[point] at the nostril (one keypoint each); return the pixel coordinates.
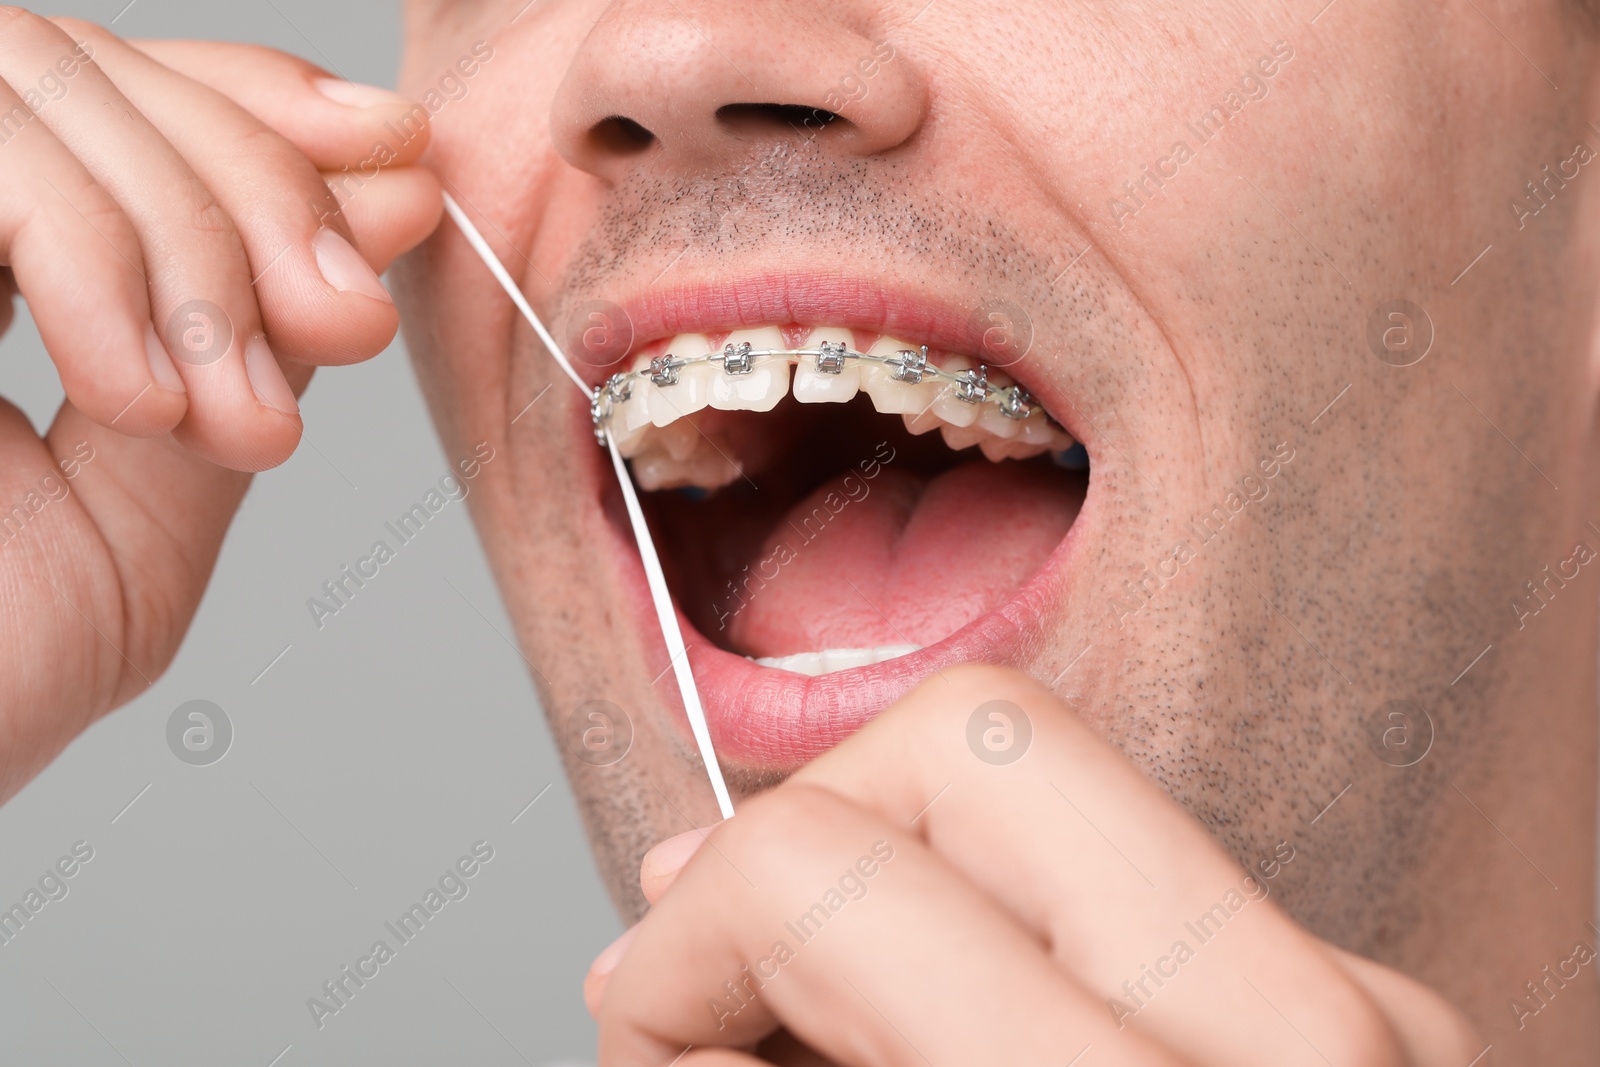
(620, 135)
(754, 117)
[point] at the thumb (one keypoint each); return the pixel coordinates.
(107, 543)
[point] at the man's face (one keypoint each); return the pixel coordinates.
(1234, 252)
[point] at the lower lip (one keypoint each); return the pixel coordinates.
(766, 719)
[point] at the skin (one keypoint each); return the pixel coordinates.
(1216, 322)
(1199, 329)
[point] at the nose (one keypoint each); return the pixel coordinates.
(692, 83)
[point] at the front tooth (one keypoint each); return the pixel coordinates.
(692, 391)
(948, 406)
(800, 663)
(844, 659)
(836, 659)
(889, 396)
(633, 413)
(759, 389)
(921, 423)
(811, 386)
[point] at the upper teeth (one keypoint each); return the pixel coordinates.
(969, 403)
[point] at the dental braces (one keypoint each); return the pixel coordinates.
(909, 365)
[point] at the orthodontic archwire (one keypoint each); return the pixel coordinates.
(666, 615)
(830, 357)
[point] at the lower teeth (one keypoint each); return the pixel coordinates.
(836, 659)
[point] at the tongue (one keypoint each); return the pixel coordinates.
(900, 559)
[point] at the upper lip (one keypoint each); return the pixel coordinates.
(817, 299)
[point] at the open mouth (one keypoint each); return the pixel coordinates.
(839, 514)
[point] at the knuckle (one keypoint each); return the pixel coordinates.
(106, 215)
(204, 214)
(269, 150)
(270, 153)
(94, 205)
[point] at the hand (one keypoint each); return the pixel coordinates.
(902, 901)
(167, 219)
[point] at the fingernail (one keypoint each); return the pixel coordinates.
(355, 94)
(344, 269)
(162, 369)
(670, 855)
(611, 955)
(266, 378)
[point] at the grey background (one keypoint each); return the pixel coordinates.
(365, 760)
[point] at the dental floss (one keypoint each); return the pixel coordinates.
(666, 615)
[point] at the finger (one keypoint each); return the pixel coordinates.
(807, 911)
(389, 213)
(1433, 1032)
(107, 542)
(781, 1050)
(44, 544)
(241, 412)
(594, 982)
(76, 259)
(1131, 893)
(720, 1057)
(319, 300)
(663, 862)
(162, 512)
(657, 871)
(336, 123)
